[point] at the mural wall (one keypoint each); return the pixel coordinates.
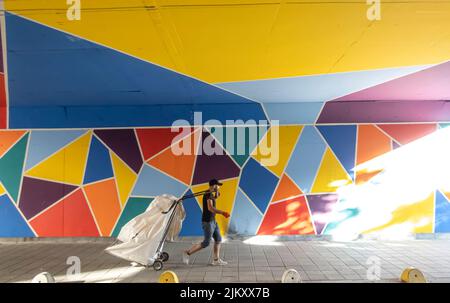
(360, 112)
(334, 179)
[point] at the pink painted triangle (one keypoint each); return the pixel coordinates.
(429, 84)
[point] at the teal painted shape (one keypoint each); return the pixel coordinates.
(12, 224)
(344, 214)
(444, 125)
(45, 143)
(306, 157)
(342, 141)
(134, 207)
(152, 183)
(239, 142)
(442, 214)
(11, 165)
(245, 217)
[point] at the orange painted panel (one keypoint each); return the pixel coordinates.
(286, 189)
(178, 166)
(371, 144)
(105, 204)
(9, 138)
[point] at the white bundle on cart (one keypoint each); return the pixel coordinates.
(143, 237)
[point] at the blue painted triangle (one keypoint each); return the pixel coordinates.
(306, 158)
(442, 214)
(12, 223)
(152, 183)
(98, 164)
(258, 183)
(245, 217)
(192, 224)
(45, 143)
(290, 90)
(342, 141)
(88, 75)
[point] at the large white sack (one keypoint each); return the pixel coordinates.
(141, 236)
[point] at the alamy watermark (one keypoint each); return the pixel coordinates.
(237, 137)
(374, 10)
(74, 270)
(73, 10)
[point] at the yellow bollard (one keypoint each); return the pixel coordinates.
(168, 277)
(413, 275)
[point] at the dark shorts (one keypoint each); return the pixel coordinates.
(210, 230)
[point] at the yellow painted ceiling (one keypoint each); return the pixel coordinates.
(234, 40)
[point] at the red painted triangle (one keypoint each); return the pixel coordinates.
(71, 217)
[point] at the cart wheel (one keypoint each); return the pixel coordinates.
(157, 265)
(164, 256)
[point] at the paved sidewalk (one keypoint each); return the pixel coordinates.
(316, 261)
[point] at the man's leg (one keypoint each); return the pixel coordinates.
(216, 251)
(196, 247)
(217, 241)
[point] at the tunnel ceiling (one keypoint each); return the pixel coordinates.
(250, 53)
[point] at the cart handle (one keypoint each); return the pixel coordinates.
(184, 198)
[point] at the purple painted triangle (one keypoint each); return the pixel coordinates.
(384, 111)
(395, 145)
(215, 166)
(321, 206)
(429, 84)
(124, 143)
(36, 195)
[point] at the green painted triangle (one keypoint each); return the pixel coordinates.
(11, 165)
(239, 142)
(133, 208)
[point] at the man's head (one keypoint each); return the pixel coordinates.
(214, 185)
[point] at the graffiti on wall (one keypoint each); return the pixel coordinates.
(334, 179)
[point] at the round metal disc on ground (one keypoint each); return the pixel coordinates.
(413, 275)
(43, 277)
(291, 276)
(168, 277)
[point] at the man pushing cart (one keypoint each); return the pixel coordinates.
(142, 239)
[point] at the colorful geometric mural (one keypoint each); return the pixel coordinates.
(343, 133)
(95, 181)
(130, 63)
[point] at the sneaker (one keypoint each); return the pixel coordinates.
(185, 258)
(219, 262)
